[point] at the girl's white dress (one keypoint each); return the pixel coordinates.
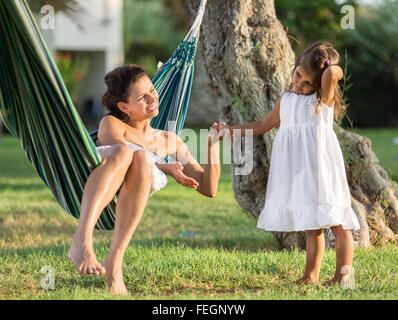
(307, 186)
(159, 179)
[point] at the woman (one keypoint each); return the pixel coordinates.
(131, 151)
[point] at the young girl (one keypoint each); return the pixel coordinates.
(307, 188)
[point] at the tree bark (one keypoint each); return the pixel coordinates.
(249, 61)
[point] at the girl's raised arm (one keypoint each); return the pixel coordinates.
(330, 77)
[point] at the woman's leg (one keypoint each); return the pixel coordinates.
(99, 190)
(344, 254)
(131, 203)
(315, 247)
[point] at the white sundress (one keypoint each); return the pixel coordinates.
(159, 179)
(307, 186)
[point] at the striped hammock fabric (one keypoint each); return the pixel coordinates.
(36, 108)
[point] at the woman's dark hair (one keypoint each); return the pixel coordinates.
(118, 84)
(317, 58)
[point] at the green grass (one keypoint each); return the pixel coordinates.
(228, 258)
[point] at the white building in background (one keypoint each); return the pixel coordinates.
(96, 32)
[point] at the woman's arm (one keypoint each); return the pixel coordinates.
(330, 77)
(208, 177)
(262, 126)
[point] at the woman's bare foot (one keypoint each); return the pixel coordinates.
(83, 258)
(114, 280)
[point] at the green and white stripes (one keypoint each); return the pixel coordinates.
(36, 107)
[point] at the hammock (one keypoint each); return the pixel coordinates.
(36, 108)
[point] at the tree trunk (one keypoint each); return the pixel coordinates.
(249, 60)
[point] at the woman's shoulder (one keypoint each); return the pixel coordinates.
(112, 120)
(110, 126)
(111, 123)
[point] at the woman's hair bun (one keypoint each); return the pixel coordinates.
(118, 84)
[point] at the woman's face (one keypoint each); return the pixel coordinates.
(303, 81)
(143, 102)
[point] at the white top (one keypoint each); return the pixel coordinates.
(307, 186)
(159, 179)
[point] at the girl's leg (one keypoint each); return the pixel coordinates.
(99, 190)
(131, 203)
(344, 254)
(315, 247)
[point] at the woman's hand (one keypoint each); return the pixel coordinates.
(176, 171)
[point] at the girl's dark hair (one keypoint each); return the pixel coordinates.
(118, 84)
(315, 59)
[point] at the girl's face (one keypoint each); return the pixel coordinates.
(303, 81)
(143, 102)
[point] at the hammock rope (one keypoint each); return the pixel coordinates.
(36, 108)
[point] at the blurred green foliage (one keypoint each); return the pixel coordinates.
(153, 29)
(373, 48)
(74, 68)
(307, 22)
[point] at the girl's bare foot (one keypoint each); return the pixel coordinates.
(83, 258)
(330, 283)
(307, 280)
(114, 280)
(343, 280)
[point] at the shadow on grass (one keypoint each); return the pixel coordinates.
(233, 243)
(211, 241)
(68, 279)
(21, 187)
(102, 246)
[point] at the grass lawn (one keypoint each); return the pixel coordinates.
(186, 246)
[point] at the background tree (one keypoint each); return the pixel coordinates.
(307, 22)
(373, 47)
(249, 60)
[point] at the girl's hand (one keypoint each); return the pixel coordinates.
(213, 136)
(225, 132)
(335, 71)
(175, 170)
